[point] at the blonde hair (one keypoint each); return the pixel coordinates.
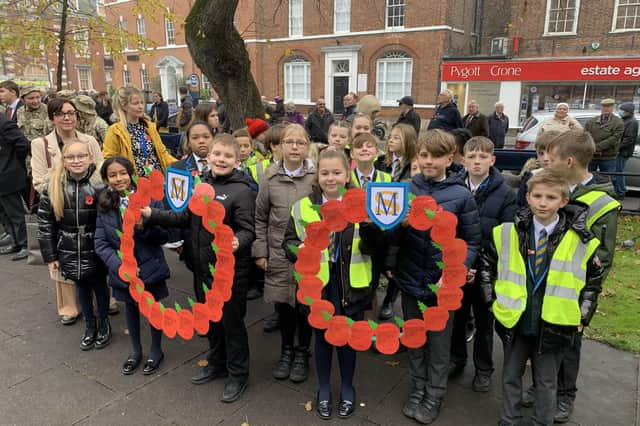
(576, 143)
(243, 133)
(121, 99)
(343, 125)
(58, 181)
(409, 144)
(293, 128)
(550, 179)
(331, 153)
(437, 143)
(225, 139)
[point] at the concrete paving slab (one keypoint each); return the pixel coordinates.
(126, 412)
(19, 362)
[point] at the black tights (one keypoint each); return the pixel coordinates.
(85, 289)
(292, 317)
(133, 324)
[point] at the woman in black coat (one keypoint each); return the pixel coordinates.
(159, 112)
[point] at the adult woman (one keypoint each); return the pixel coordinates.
(134, 137)
(159, 112)
(561, 121)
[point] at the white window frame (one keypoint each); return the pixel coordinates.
(296, 7)
(122, 26)
(393, 57)
(290, 67)
(141, 28)
(126, 77)
(81, 39)
(145, 83)
(574, 28)
(616, 9)
(170, 28)
(345, 10)
(89, 78)
(388, 6)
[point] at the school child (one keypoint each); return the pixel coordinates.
(541, 146)
(228, 341)
(364, 150)
(399, 151)
(271, 139)
(496, 203)
(412, 261)
(289, 181)
(361, 123)
(116, 172)
(67, 222)
(570, 155)
(541, 276)
(340, 135)
(248, 154)
(346, 275)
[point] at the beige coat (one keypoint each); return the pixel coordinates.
(553, 123)
(278, 192)
(39, 167)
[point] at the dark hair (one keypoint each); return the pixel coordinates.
(183, 90)
(203, 110)
(11, 86)
(159, 95)
(273, 136)
(461, 136)
(56, 104)
(109, 199)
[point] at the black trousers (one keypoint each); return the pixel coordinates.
(13, 211)
(294, 318)
(569, 367)
(483, 341)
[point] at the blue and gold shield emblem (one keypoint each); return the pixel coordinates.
(178, 188)
(387, 203)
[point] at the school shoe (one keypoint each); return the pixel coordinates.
(563, 411)
(207, 374)
(411, 406)
(346, 408)
(131, 364)
(300, 366)
(68, 319)
(428, 411)
(114, 309)
(233, 390)
(283, 367)
(152, 365)
(481, 383)
(103, 338)
(9, 250)
(5, 239)
(89, 335)
(323, 408)
(21, 255)
(529, 397)
(386, 312)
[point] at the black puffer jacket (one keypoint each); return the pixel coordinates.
(239, 200)
(412, 256)
(446, 118)
(70, 239)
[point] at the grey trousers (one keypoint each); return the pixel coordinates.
(11, 205)
(545, 378)
(429, 365)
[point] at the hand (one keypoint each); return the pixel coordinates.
(389, 274)
(145, 212)
(53, 266)
(580, 328)
(235, 244)
(439, 283)
(471, 275)
(261, 263)
(301, 246)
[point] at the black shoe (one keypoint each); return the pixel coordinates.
(9, 250)
(346, 409)
(5, 239)
(254, 293)
(89, 336)
(529, 397)
(411, 406)
(283, 367)
(233, 390)
(481, 382)
(131, 364)
(563, 411)
(428, 411)
(386, 312)
(300, 366)
(271, 323)
(323, 408)
(114, 309)
(103, 337)
(21, 255)
(152, 365)
(455, 370)
(207, 374)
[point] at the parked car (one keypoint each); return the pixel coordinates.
(525, 140)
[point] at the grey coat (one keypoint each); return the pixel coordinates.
(278, 192)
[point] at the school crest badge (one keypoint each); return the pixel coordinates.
(178, 188)
(387, 203)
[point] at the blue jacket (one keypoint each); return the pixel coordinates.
(147, 251)
(446, 118)
(412, 256)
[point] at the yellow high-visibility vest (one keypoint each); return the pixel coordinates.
(600, 203)
(258, 169)
(379, 176)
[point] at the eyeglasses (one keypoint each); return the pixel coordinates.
(65, 114)
(290, 142)
(77, 157)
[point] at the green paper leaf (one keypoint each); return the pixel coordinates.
(350, 322)
(197, 180)
(119, 233)
(212, 223)
(162, 308)
(134, 178)
(436, 245)
(139, 288)
(206, 199)
(430, 213)
(373, 324)
(309, 300)
(342, 190)
(127, 192)
(399, 321)
(411, 196)
(178, 307)
(126, 275)
(205, 288)
(147, 170)
(191, 302)
(303, 222)
(316, 207)
(294, 249)
(119, 254)
(214, 247)
(434, 288)
(149, 301)
(212, 270)
(440, 264)
(422, 306)
(296, 275)
(326, 315)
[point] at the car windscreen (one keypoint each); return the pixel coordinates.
(529, 123)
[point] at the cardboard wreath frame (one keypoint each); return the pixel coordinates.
(179, 320)
(424, 214)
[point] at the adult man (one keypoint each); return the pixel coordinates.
(318, 122)
(10, 97)
(32, 117)
(408, 115)
(88, 121)
(13, 177)
(446, 116)
(349, 103)
(475, 121)
(606, 130)
(159, 112)
(186, 109)
(629, 137)
(498, 125)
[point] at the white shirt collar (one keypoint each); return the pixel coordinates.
(361, 176)
(397, 157)
(292, 173)
(583, 183)
(537, 227)
(14, 105)
(198, 163)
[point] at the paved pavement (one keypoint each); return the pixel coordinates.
(46, 379)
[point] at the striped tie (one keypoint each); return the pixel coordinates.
(541, 249)
(333, 247)
(396, 170)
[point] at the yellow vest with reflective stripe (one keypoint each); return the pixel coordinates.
(258, 169)
(360, 273)
(565, 280)
(378, 177)
(600, 203)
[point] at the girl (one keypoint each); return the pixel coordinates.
(361, 124)
(67, 222)
(340, 135)
(134, 136)
(400, 150)
(208, 112)
(116, 172)
(347, 282)
(289, 181)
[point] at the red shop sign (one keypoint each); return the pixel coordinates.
(554, 70)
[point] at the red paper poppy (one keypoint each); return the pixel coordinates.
(320, 309)
(354, 203)
(223, 235)
(418, 217)
(143, 187)
(309, 286)
(215, 212)
(157, 185)
(435, 318)
(361, 334)
(414, 333)
(88, 200)
(455, 251)
(387, 338)
(185, 324)
(146, 300)
(332, 217)
(221, 290)
(225, 260)
(133, 291)
(201, 315)
(338, 331)
(317, 235)
(449, 298)
(454, 275)
(215, 304)
(444, 227)
(127, 270)
(170, 322)
(155, 316)
(308, 262)
(197, 204)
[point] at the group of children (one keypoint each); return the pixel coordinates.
(537, 271)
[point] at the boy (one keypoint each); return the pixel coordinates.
(228, 340)
(248, 155)
(496, 203)
(541, 146)
(570, 155)
(541, 277)
(413, 260)
(364, 150)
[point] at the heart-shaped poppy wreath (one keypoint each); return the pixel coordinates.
(179, 320)
(424, 214)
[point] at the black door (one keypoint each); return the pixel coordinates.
(340, 88)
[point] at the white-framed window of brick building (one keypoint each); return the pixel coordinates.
(341, 16)
(170, 31)
(395, 13)
(626, 15)
(393, 78)
(561, 17)
(122, 26)
(81, 40)
(144, 80)
(141, 27)
(297, 79)
(295, 18)
(84, 78)
(206, 84)
(126, 77)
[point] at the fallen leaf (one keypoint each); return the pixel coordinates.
(637, 261)
(244, 424)
(308, 406)
(203, 363)
(393, 363)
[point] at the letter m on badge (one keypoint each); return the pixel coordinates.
(178, 188)
(387, 203)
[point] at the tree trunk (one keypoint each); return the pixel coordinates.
(218, 50)
(62, 42)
